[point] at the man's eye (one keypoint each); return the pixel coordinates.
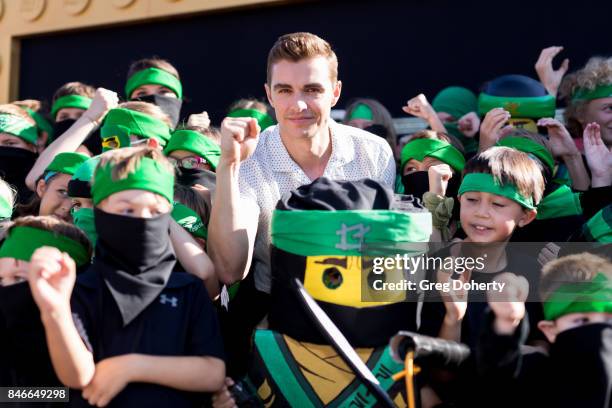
(283, 91)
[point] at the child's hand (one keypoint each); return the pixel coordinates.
(509, 304)
(491, 126)
(469, 124)
(550, 252)
(419, 106)
(51, 276)
(439, 175)
(598, 156)
(199, 119)
(561, 142)
(223, 397)
(550, 78)
(103, 101)
(238, 139)
(111, 376)
(455, 300)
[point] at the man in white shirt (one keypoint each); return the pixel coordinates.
(255, 170)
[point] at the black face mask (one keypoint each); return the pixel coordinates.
(17, 304)
(191, 177)
(59, 128)
(93, 141)
(135, 258)
(170, 105)
(582, 362)
(416, 184)
(15, 164)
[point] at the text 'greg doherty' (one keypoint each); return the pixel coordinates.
(425, 285)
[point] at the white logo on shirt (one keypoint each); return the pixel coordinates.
(163, 299)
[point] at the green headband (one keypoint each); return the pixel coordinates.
(580, 297)
(70, 101)
(196, 143)
(599, 227)
(67, 163)
(361, 111)
(18, 126)
(420, 148)
(149, 175)
(264, 120)
(189, 219)
(122, 123)
(42, 123)
(6, 209)
(601, 91)
(520, 107)
(86, 170)
(153, 76)
(526, 145)
(22, 241)
(317, 232)
(487, 183)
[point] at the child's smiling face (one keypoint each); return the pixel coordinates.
(489, 217)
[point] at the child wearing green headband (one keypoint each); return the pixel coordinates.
(79, 191)
(577, 295)
(363, 113)
(70, 101)
(17, 128)
(24, 353)
(191, 149)
(133, 284)
(252, 108)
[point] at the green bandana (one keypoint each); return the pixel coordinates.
(562, 202)
(456, 101)
(196, 143)
(6, 209)
(120, 123)
(86, 170)
(317, 232)
(580, 297)
(189, 219)
(154, 76)
(487, 183)
(42, 123)
(264, 120)
(601, 91)
(361, 111)
(83, 218)
(420, 148)
(149, 175)
(520, 107)
(70, 101)
(17, 126)
(599, 227)
(22, 241)
(67, 162)
(526, 145)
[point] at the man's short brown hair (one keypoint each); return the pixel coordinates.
(299, 46)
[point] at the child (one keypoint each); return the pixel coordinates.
(79, 191)
(577, 297)
(26, 359)
(195, 156)
(141, 334)
(252, 108)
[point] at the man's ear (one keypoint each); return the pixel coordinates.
(528, 216)
(269, 94)
(336, 92)
(41, 187)
(549, 329)
(153, 143)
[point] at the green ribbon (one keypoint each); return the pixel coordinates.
(42, 123)
(121, 123)
(361, 111)
(149, 175)
(580, 297)
(520, 107)
(70, 101)
(345, 233)
(584, 94)
(529, 146)
(83, 218)
(562, 202)
(487, 183)
(67, 162)
(189, 219)
(196, 143)
(264, 120)
(22, 241)
(154, 76)
(6, 209)
(18, 126)
(438, 149)
(599, 227)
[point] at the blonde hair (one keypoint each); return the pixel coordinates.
(509, 166)
(153, 62)
(74, 88)
(149, 109)
(596, 72)
(211, 132)
(581, 267)
(126, 160)
(300, 46)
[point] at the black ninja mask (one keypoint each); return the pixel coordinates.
(170, 105)
(15, 164)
